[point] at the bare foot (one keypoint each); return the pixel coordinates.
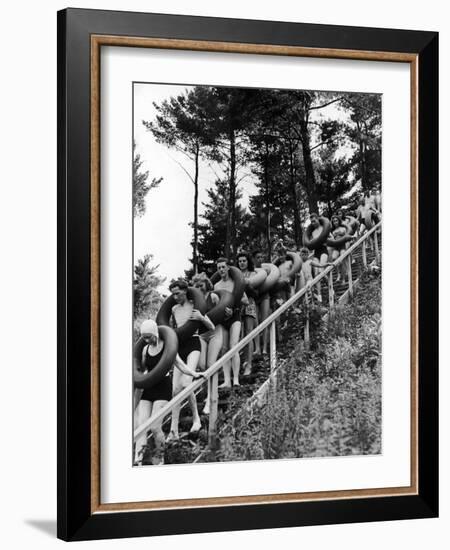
(173, 436)
(225, 385)
(236, 383)
(195, 426)
(205, 409)
(247, 369)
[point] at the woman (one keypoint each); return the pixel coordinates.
(335, 249)
(147, 353)
(248, 311)
(232, 325)
(211, 339)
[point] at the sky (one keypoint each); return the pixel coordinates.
(164, 229)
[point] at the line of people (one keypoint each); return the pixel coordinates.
(325, 241)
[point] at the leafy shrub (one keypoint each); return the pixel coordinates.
(326, 401)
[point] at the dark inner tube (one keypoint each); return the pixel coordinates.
(312, 244)
(217, 312)
(147, 380)
(190, 327)
(341, 241)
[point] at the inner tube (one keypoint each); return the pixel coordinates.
(190, 327)
(257, 279)
(143, 380)
(217, 312)
(352, 223)
(311, 243)
(296, 263)
(333, 243)
(239, 284)
(273, 274)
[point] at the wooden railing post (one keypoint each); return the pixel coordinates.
(213, 409)
(273, 346)
(364, 254)
(377, 252)
(308, 301)
(265, 325)
(349, 274)
(331, 294)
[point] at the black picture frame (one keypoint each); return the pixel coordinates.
(76, 518)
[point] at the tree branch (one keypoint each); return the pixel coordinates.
(183, 168)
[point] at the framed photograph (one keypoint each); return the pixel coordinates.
(247, 256)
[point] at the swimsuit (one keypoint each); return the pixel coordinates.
(187, 346)
(236, 316)
(162, 390)
(322, 249)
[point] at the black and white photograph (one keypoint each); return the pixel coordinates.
(257, 273)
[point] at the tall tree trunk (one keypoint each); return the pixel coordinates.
(310, 179)
(232, 207)
(362, 157)
(195, 243)
(266, 184)
(295, 209)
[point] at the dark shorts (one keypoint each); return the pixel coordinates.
(162, 391)
(319, 251)
(262, 297)
(235, 317)
(188, 346)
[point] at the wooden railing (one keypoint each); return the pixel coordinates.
(211, 375)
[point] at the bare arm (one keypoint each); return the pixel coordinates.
(181, 365)
(197, 316)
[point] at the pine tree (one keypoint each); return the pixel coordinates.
(147, 298)
(140, 184)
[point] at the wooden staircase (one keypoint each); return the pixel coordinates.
(291, 325)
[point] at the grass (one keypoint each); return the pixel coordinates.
(326, 401)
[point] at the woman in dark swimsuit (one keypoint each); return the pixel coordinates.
(147, 353)
(248, 311)
(211, 339)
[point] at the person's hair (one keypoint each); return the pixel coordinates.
(221, 260)
(202, 277)
(180, 283)
(250, 265)
(336, 217)
(314, 215)
(256, 251)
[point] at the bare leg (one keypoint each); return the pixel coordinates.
(214, 347)
(265, 310)
(177, 385)
(141, 414)
(249, 325)
(257, 350)
(158, 434)
(192, 362)
(235, 332)
(334, 255)
(181, 381)
(227, 365)
(343, 265)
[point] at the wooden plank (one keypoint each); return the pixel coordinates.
(350, 275)
(213, 410)
(273, 347)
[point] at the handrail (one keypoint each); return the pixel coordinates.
(213, 369)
